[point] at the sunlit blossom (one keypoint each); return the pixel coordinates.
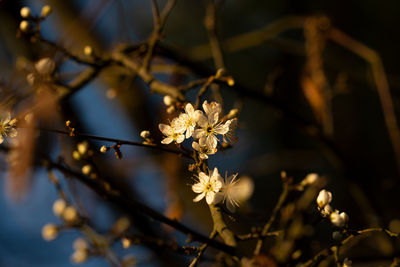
(203, 149)
(7, 126)
(208, 186)
(172, 133)
(187, 121)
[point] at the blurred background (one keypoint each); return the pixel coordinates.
(307, 105)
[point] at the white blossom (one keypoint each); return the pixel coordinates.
(324, 198)
(172, 133)
(212, 107)
(203, 149)
(210, 127)
(208, 186)
(187, 121)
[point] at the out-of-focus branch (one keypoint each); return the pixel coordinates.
(353, 234)
(381, 82)
(202, 249)
(275, 211)
(210, 23)
(129, 206)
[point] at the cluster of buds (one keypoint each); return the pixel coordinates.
(81, 251)
(64, 211)
(339, 219)
(83, 152)
(28, 21)
(170, 103)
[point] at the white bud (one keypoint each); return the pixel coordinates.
(59, 206)
(121, 225)
(233, 113)
(76, 155)
(80, 244)
(82, 147)
(168, 100)
(86, 169)
(324, 198)
(326, 210)
(79, 256)
(25, 12)
(49, 232)
(145, 134)
(103, 149)
(310, 179)
(88, 50)
(344, 217)
(126, 243)
(170, 109)
(46, 10)
(24, 26)
(45, 66)
(336, 219)
(70, 214)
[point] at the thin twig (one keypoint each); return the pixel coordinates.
(202, 249)
(329, 251)
(271, 220)
(121, 142)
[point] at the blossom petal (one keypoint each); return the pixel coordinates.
(165, 129)
(212, 141)
(204, 178)
(210, 197)
(198, 133)
(196, 146)
(198, 188)
(199, 197)
(167, 141)
(189, 109)
(202, 121)
(180, 138)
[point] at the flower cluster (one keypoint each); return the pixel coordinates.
(339, 219)
(215, 189)
(203, 127)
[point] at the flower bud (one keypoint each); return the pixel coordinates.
(46, 10)
(88, 51)
(24, 26)
(49, 232)
(168, 100)
(79, 256)
(145, 134)
(310, 179)
(103, 149)
(324, 198)
(76, 155)
(70, 214)
(25, 12)
(344, 217)
(336, 219)
(83, 147)
(59, 207)
(126, 243)
(45, 66)
(326, 210)
(86, 169)
(233, 113)
(121, 225)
